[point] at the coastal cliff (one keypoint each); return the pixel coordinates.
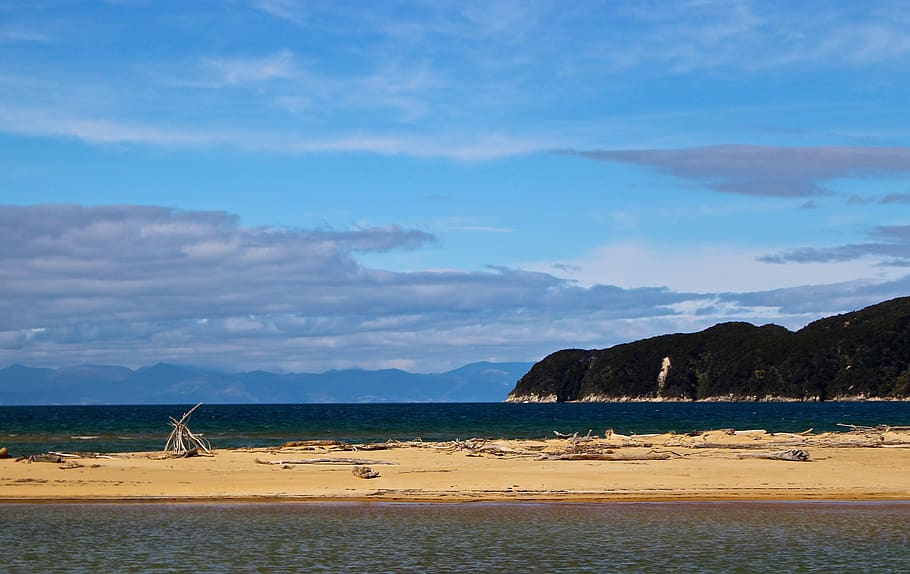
(859, 355)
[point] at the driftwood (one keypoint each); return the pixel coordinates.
(182, 442)
(355, 461)
(861, 428)
(604, 456)
(574, 438)
(364, 472)
(374, 446)
(57, 457)
(876, 432)
(479, 446)
(335, 445)
(316, 443)
(48, 457)
(81, 454)
(794, 455)
(743, 446)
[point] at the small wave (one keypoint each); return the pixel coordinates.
(85, 437)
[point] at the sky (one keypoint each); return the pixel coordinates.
(311, 185)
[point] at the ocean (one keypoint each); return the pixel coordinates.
(31, 429)
(444, 537)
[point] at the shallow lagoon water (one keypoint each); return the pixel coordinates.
(486, 537)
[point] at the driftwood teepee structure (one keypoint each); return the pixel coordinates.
(182, 442)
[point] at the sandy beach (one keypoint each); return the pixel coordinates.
(864, 464)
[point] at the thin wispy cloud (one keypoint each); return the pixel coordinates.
(481, 229)
(290, 10)
(891, 242)
(14, 34)
(764, 170)
(892, 198)
(245, 71)
(50, 123)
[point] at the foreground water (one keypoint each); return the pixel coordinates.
(29, 429)
(619, 537)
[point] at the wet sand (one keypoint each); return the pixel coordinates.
(869, 464)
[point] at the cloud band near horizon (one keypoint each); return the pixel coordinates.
(139, 284)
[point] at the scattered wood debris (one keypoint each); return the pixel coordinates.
(336, 445)
(589, 447)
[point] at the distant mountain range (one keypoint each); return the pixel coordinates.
(174, 384)
(860, 355)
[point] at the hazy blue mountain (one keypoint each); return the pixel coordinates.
(178, 384)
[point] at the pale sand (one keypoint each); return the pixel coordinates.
(839, 469)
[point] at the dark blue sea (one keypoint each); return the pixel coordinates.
(30, 429)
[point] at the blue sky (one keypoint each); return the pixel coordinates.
(303, 186)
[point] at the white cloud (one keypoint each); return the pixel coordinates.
(136, 285)
(242, 71)
(289, 10)
(708, 268)
(463, 147)
(15, 34)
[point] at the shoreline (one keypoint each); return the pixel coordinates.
(533, 398)
(714, 466)
(265, 501)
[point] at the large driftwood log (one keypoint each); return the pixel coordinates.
(374, 446)
(57, 457)
(316, 443)
(355, 461)
(81, 454)
(54, 458)
(604, 456)
(793, 454)
(743, 446)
